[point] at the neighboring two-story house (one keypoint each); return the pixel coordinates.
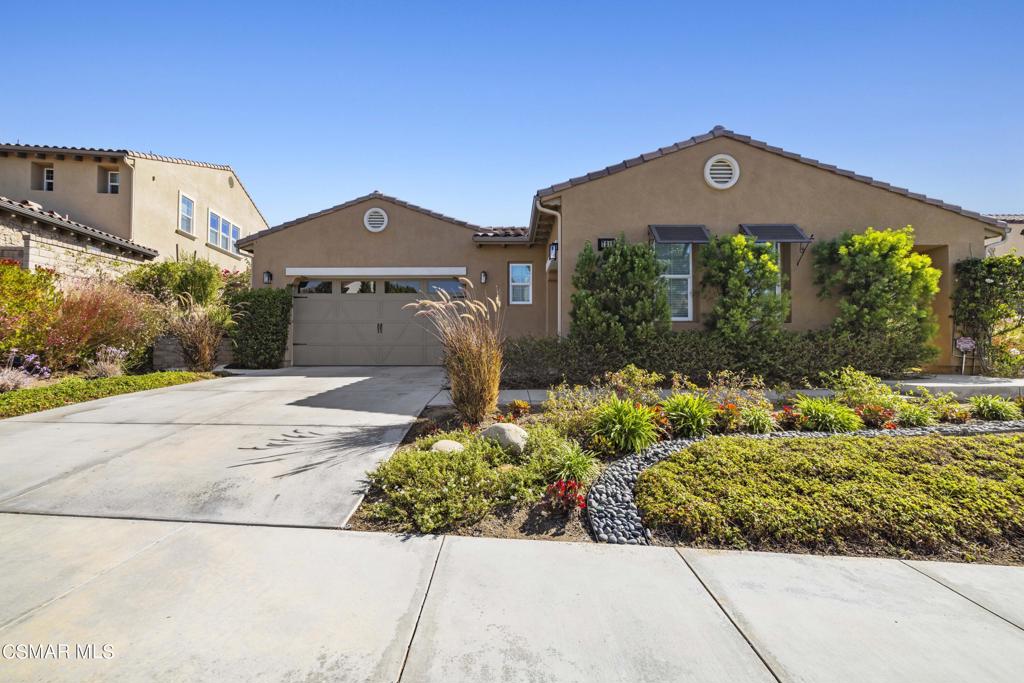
(135, 205)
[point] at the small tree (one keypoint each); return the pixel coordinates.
(171, 282)
(620, 296)
(746, 276)
(884, 288)
(988, 302)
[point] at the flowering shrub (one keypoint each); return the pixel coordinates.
(97, 313)
(634, 384)
(565, 495)
(790, 419)
(518, 409)
(234, 281)
(727, 418)
(21, 372)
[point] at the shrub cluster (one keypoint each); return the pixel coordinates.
(961, 496)
(260, 334)
(422, 490)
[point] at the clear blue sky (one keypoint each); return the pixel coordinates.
(469, 108)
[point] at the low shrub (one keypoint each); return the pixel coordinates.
(634, 384)
(854, 388)
(569, 408)
(951, 496)
(469, 329)
(690, 415)
(96, 313)
(914, 415)
(989, 407)
(21, 372)
(629, 427)
(260, 334)
(566, 495)
(200, 328)
(75, 390)
(826, 415)
(108, 362)
(758, 420)
(876, 417)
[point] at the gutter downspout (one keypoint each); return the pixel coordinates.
(558, 261)
(990, 249)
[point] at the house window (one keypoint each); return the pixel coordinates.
(48, 179)
(186, 211)
(678, 259)
(223, 233)
(113, 182)
(520, 283)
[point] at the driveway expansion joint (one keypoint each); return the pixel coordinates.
(965, 597)
(419, 614)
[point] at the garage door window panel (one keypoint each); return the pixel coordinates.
(357, 287)
(402, 287)
(453, 287)
(315, 287)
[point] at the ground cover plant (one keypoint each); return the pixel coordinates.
(952, 497)
(76, 390)
(424, 490)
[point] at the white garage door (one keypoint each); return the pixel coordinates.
(363, 322)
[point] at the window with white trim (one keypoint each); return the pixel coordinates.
(186, 212)
(520, 283)
(678, 275)
(113, 182)
(223, 233)
(48, 179)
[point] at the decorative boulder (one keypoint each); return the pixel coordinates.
(509, 436)
(447, 446)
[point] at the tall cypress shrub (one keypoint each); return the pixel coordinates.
(619, 296)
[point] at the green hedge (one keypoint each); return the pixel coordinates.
(937, 495)
(789, 357)
(261, 334)
(77, 390)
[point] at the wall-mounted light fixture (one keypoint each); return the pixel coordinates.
(268, 277)
(483, 277)
(553, 251)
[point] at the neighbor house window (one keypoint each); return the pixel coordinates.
(520, 283)
(223, 233)
(678, 260)
(48, 179)
(113, 182)
(186, 211)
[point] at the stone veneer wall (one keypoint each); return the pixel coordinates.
(167, 353)
(41, 247)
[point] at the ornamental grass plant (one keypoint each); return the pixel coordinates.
(469, 329)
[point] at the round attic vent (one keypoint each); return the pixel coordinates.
(375, 219)
(721, 171)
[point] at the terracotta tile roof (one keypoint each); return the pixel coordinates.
(504, 234)
(245, 241)
(720, 132)
(32, 210)
(100, 151)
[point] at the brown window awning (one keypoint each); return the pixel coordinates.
(679, 234)
(775, 232)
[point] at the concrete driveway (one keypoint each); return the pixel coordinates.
(283, 447)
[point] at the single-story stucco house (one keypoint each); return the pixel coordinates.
(355, 265)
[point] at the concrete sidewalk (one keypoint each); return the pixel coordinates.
(178, 601)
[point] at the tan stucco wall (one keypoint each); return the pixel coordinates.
(771, 189)
(75, 190)
(1015, 243)
(155, 212)
(411, 239)
(60, 251)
